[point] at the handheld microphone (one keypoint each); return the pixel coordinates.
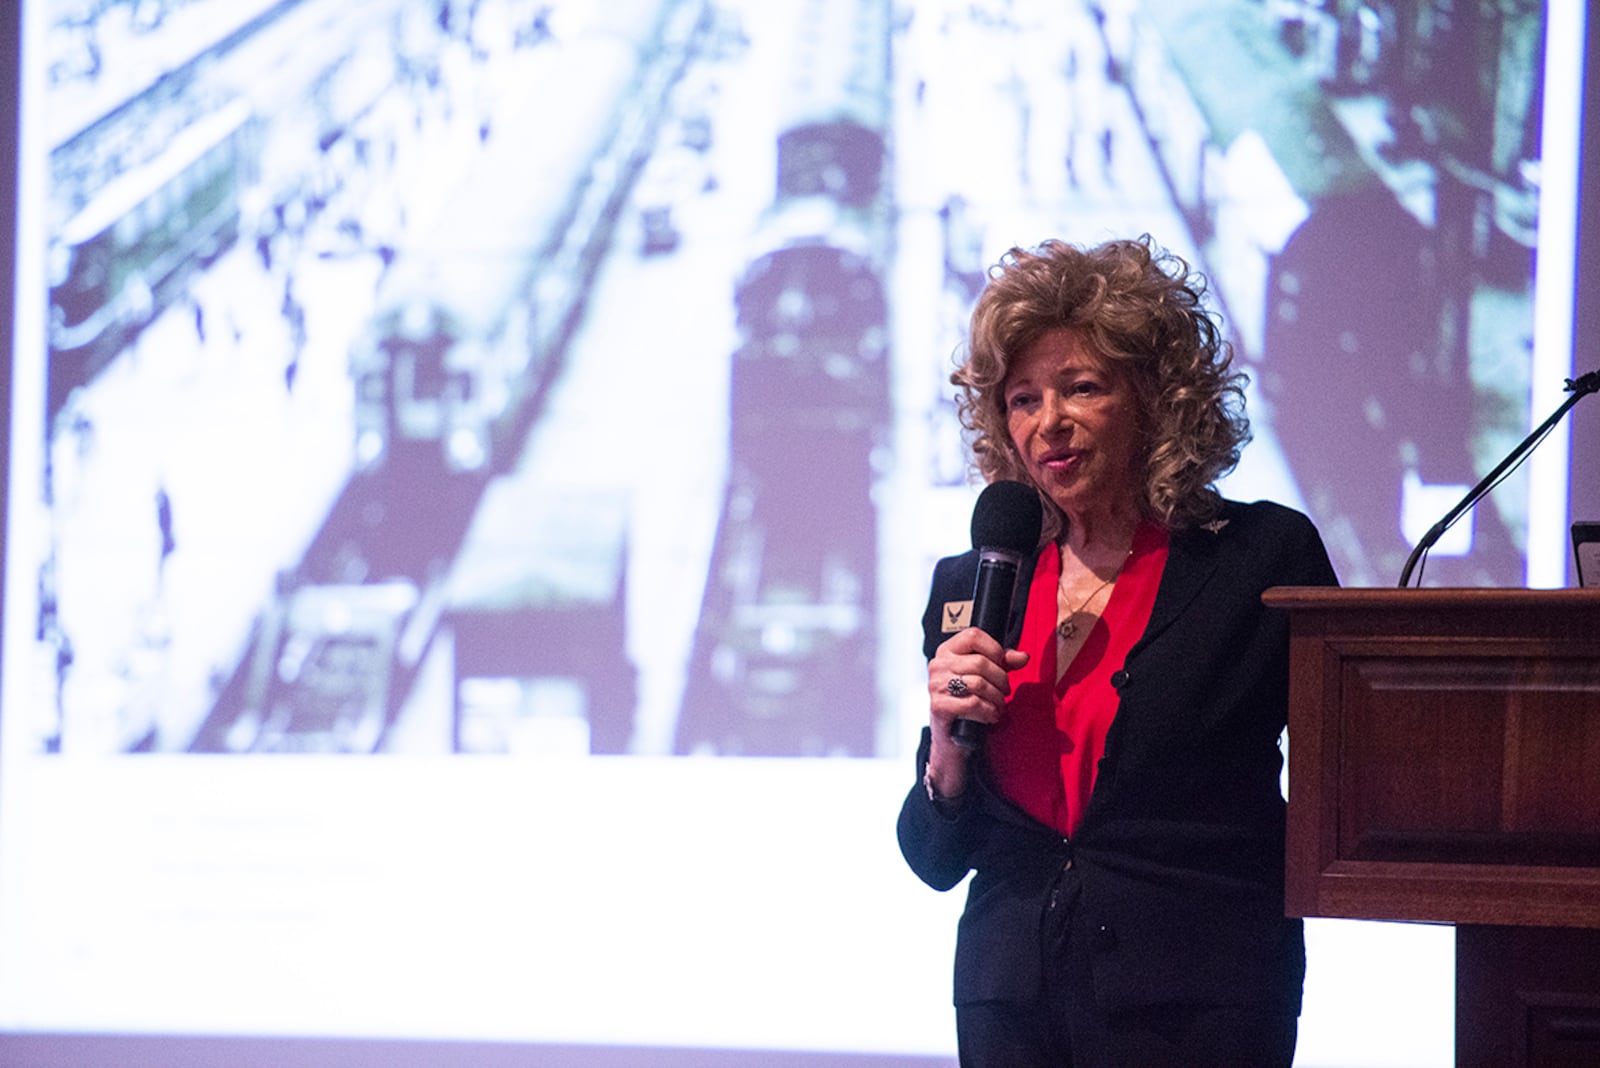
(1005, 528)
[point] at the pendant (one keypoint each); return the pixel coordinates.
(1066, 628)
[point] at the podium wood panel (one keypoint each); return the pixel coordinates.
(1444, 755)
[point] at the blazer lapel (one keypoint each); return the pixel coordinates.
(1191, 560)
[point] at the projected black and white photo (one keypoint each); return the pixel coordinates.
(469, 376)
(499, 387)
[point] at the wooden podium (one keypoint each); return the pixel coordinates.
(1444, 767)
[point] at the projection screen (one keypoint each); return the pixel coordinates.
(474, 467)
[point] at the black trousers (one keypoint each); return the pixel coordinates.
(1066, 1029)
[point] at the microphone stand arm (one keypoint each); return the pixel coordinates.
(1579, 388)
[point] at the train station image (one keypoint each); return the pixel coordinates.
(483, 409)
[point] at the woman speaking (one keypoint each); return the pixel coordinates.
(1122, 814)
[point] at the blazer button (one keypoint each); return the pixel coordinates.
(1119, 678)
(1103, 937)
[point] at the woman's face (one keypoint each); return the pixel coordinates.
(1074, 423)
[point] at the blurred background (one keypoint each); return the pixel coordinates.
(549, 401)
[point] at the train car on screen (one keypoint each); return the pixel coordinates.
(322, 676)
(792, 590)
(126, 254)
(473, 316)
(536, 606)
(813, 326)
(812, 305)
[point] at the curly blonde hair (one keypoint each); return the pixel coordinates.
(1141, 309)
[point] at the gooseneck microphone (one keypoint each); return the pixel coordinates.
(1005, 528)
(1579, 387)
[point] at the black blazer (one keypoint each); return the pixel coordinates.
(1180, 851)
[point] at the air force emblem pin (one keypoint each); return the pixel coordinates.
(957, 616)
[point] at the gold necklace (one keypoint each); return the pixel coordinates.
(1068, 625)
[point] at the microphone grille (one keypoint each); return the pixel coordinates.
(1008, 516)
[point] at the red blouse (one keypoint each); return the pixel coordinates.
(1047, 746)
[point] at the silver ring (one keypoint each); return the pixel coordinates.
(957, 686)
